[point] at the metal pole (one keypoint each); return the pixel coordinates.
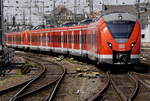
(24, 18)
(54, 17)
(75, 10)
(138, 9)
(30, 13)
(116, 1)
(1, 25)
(43, 13)
(90, 7)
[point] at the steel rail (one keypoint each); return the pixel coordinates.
(119, 92)
(14, 87)
(4, 91)
(39, 89)
(59, 79)
(140, 74)
(51, 96)
(29, 83)
(100, 94)
(135, 92)
(141, 81)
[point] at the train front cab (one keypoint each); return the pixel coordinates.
(120, 39)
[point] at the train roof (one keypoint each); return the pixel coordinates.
(118, 16)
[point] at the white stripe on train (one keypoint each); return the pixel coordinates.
(44, 48)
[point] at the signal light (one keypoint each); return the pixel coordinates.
(110, 45)
(132, 45)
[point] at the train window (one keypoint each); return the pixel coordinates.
(120, 29)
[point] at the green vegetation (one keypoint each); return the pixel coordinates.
(71, 60)
(26, 68)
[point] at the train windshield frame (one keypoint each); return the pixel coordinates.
(121, 29)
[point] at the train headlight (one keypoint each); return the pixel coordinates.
(132, 45)
(110, 45)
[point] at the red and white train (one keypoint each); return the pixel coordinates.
(112, 38)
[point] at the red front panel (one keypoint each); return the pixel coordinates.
(122, 47)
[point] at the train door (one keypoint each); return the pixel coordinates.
(8, 39)
(57, 39)
(65, 41)
(49, 40)
(90, 42)
(43, 39)
(30, 38)
(14, 39)
(35, 39)
(25, 38)
(18, 38)
(98, 37)
(80, 42)
(54, 39)
(84, 41)
(70, 39)
(22, 38)
(76, 39)
(62, 44)
(17, 42)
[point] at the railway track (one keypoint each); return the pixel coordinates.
(108, 92)
(43, 88)
(144, 87)
(122, 87)
(128, 85)
(40, 88)
(9, 92)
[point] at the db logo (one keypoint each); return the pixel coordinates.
(121, 46)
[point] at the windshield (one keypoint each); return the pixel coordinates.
(120, 29)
